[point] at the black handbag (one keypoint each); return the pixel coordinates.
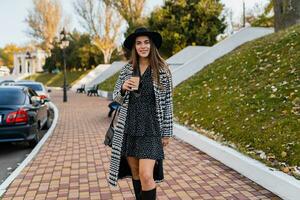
(111, 130)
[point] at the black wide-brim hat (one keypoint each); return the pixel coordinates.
(154, 36)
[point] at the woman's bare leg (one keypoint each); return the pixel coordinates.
(146, 167)
(134, 166)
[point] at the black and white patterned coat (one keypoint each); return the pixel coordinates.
(164, 111)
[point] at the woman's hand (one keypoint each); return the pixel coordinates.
(127, 85)
(165, 141)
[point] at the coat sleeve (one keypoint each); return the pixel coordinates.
(117, 95)
(168, 112)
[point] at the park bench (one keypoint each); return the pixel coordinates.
(93, 90)
(81, 89)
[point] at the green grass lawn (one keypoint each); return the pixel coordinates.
(109, 84)
(56, 80)
(249, 98)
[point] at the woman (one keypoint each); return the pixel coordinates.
(145, 121)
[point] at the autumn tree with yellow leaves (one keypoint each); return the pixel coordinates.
(132, 11)
(44, 22)
(102, 22)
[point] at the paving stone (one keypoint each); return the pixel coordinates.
(74, 164)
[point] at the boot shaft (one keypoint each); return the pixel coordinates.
(149, 195)
(137, 189)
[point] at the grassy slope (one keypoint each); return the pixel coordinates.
(56, 80)
(249, 97)
(109, 84)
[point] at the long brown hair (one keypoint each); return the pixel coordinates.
(156, 62)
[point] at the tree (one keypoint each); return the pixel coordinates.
(187, 22)
(287, 13)
(270, 7)
(44, 21)
(1, 57)
(131, 11)
(81, 53)
(261, 15)
(102, 22)
(55, 60)
(7, 54)
(1, 61)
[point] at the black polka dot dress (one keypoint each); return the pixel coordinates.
(142, 138)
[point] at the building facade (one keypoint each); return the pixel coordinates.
(30, 62)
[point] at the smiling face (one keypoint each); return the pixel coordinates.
(142, 46)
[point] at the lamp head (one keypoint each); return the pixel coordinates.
(62, 34)
(64, 42)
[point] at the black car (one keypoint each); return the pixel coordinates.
(6, 82)
(22, 115)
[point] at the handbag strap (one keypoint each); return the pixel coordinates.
(117, 110)
(112, 121)
(135, 72)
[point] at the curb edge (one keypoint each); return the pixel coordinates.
(32, 154)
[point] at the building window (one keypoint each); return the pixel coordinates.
(20, 65)
(28, 67)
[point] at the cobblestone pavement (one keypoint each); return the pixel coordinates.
(73, 164)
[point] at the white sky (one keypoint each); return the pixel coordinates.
(13, 13)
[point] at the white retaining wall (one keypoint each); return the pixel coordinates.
(185, 55)
(197, 63)
(98, 75)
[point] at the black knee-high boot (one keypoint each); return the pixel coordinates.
(149, 195)
(137, 189)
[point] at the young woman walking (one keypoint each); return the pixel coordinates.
(145, 120)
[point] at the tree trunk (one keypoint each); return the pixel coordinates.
(287, 13)
(107, 56)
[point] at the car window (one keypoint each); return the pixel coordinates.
(31, 93)
(36, 87)
(12, 97)
(7, 83)
(27, 100)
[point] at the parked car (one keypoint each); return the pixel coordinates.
(6, 82)
(25, 81)
(22, 115)
(38, 87)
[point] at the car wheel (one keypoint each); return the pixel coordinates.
(37, 138)
(48, 123)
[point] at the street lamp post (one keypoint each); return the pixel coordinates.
(64, 43)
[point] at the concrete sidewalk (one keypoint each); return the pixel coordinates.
(74, 163)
